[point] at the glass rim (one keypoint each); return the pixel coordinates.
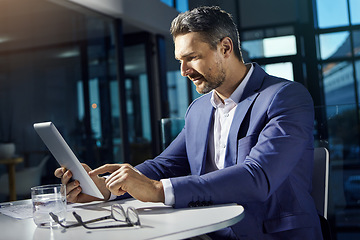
(47, 186)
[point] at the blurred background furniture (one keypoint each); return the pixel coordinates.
(19, 182)
(170, 128)
(9, 179)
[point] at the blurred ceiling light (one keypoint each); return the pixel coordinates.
(4, 39)
(68, 54)
(130, 67)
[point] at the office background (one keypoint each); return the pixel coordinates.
(105, 74)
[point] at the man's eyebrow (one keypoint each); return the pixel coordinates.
(185, 55)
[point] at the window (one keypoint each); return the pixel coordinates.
(178, 94)
(337, 31)
(274, 48)
(338, 81)
(332, 13)
(181, 5)
(168, 2)
(283, 70)
(335, 44)
(354, 11)
(273, 42)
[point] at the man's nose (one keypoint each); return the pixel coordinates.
(185, 69)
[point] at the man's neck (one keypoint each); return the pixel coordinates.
(224, 92)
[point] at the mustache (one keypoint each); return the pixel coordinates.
(194, 76)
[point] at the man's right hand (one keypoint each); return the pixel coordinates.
(73, 190)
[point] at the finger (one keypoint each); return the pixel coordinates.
(104, 169)
(66, 177)
(115, 174)
(86, 167)
(118, 177)
(72, 185)
(117, 186)
(59, 172)
(118, 192)
(73, 195)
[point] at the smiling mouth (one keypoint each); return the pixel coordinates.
(196, 79)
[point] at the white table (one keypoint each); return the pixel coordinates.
(157, 222)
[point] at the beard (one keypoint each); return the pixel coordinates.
(210, 82)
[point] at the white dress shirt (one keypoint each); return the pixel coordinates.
(218, 135)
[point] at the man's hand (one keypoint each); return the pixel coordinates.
(125, 178)
(73, 189)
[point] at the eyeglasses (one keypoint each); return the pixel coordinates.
(130, 218)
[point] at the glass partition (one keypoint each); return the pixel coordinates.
(57, 64)
(137, 103)
(339, 133)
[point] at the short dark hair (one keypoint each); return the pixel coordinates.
(213, 23)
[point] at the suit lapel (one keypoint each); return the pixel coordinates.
(199, 142)
(247, 99)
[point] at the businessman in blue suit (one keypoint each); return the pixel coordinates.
(247, 140)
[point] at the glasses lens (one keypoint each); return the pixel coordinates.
(118, 212)
(133, 216)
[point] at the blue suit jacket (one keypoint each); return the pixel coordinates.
(269, 160)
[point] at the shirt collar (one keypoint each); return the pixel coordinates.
(236, 95)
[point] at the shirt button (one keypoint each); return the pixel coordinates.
(223, 145)
(226, 115)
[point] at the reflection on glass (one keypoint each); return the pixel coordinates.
(271, 47)
(332, 13)
(354, 11)
(335, 45)
(284, 70)
(338, 82)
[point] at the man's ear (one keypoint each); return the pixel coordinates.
(226, 46)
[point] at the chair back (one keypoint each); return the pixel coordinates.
(170, 128)
(320, 180)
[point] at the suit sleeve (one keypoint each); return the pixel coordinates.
(171, 162)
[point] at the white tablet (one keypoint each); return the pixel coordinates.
(65, 157)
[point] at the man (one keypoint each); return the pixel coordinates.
(248, 140)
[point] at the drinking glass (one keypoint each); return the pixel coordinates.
(46, 199)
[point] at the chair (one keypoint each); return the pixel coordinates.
(25, 179)
(320, 187)
(170, 128)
